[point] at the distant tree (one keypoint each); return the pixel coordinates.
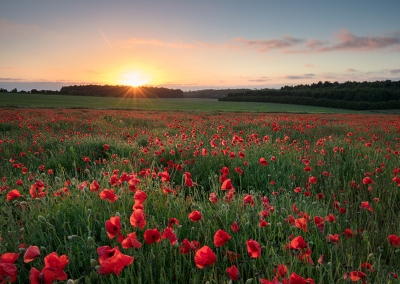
(34, 91)
(14, 90)
(2, 90)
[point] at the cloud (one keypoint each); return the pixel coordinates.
(8, 27)
(395, 71)
(11, 79)
(308, 65)
(345, 40)
(259, 80)
(268, 44)
(351, 70)
(298, 77)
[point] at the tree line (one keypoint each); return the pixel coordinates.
(121, 91)
(347, 95)
(108, 91)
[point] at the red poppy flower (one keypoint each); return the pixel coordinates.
(365, 205)
(348, 233)
(108, 194)
(140, 197)
(112, 260)
(7, 266)
(297, 279)
(233, 272)
(281, 271)
(319, 222)
(253, 248)
(366, 265)
(312, 180)
(248, 200)
(94, 186)
(165, 177)
(173, 221)
(131, 241)
(333, 238)
(355, 275)
(301, 223)
(263, 162)
(170, 235)
(13, 194)
(188, 246)
(56, 264)
(227, 185)
(262, 223)
(204, 257)
(152, 236)
(220, 238)
(113, 228)
(394, 240)
(195, 216)
(367, 180)
(298, 243)
(330, 218)
(235, 227)
(45, 276)
(137, 219)
(213, 198)
(31, 253)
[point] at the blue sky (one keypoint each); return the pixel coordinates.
(197, 44)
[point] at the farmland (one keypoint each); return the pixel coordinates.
(143, 196)
(193, 104)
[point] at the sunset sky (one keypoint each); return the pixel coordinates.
(197, 44)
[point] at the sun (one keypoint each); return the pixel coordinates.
(135, 79)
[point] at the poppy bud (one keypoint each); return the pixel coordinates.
(42, 219)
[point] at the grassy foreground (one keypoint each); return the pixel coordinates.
(116, 196)
(213, 105)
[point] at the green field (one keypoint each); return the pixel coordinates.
(61, 101)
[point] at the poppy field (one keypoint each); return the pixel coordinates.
(119, 196)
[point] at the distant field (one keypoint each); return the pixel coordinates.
(60, 101)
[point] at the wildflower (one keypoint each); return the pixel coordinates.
(263, 162)
(137, 219)
(170, 235)
(233, 273)
(108, 194)
(152, 236)
(235, 227)
(220, 238)
(13, 194)
(253, 248)
(31, 253)
(297, 279)
(394, 240)
(195, 216)
(7, 266)
(131, 241)
(113, 228)
(204, 257)
(112, 260)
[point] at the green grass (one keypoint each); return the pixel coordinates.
(209, 105)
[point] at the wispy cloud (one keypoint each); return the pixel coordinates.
(262, 79)
(395, 71)
(268, 44)
(346, 40)
(299, 77)
(11, 79)
(9, 27)
(351, 70)
(343, 40)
